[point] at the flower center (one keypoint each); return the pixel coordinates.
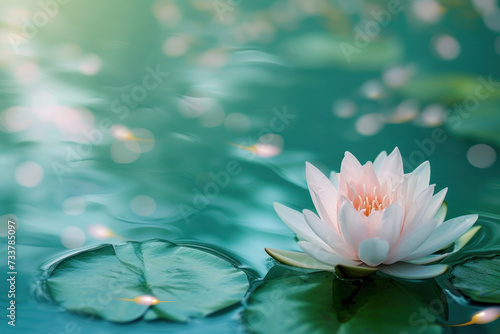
(370, 201)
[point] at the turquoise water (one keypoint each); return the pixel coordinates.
(207, 85)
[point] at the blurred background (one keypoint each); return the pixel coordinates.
(185, 120)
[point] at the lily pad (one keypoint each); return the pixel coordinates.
(319, 302)
(190, 282)
(479, 279)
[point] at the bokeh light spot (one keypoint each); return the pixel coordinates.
(433, 115)
(484, 6)
(269, 146)
(370, 124)
(99, 231)
(29, 174)
(481, 156)
(428, 11)
(175, 46)
(396, 76)
(167, 13)
(446, 47)
(142, 141)
(72, 237)
(344, 108)
(492, 20)
(90, 65)
(372, 89)
(16, 119)
(143, 205)
(27, 72)
(405, 111)
(121, 154)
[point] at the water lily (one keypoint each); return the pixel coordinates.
(374, 217)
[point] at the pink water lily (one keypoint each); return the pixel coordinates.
(374, 217)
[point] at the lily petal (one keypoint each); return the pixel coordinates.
(459, 244)
(435, 204)
(352, 226)
(392, 167)
(329, 235)
(389, 226)
(354, 271)
(298, 259)
(414, 271)
(441, 214)
(464, 239)
(443, 235)
(414, 217)
(420, 178)
(349, 165)
(333, 177)
(325, 256)
(411, 242)
(377, 163)
(323, 194)
(303, 260)
(297, 223)
(429, 259)
(366, 179)
(373, 251)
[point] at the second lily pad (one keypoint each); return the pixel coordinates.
(479, 279)
(296, 302)
(189, 282)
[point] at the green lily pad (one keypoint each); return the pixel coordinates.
(479, 279)
(190, 282)
(319, 302)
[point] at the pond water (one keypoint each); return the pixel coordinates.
(185, 121)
